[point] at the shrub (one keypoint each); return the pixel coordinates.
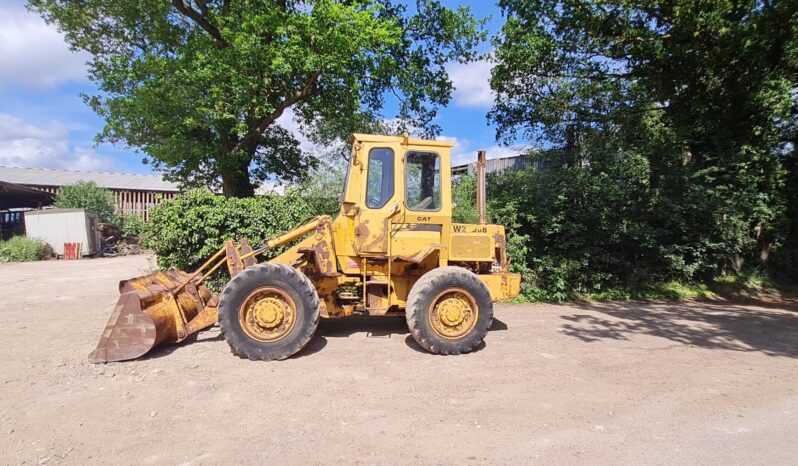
(464, 197)
(130, 224)
(87, 195)
(187, 230)
(595, 228)
(22, 249)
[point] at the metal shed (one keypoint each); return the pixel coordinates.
(59, 226)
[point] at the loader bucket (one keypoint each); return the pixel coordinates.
(166, 306)
(151, 310)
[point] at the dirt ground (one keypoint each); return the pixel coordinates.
(588, 383)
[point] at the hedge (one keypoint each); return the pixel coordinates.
(188, 229)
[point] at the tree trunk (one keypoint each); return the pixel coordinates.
(235, 181)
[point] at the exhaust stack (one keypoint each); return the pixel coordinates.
(481, 190)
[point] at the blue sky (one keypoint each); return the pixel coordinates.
(44, 123)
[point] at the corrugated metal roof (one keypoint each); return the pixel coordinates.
(537, 161)
(14, 196)
(516, 162)
(53, 177)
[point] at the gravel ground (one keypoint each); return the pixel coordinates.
(631, 383)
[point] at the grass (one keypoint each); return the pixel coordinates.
(754, 285)
(669, 290)
(22, 249)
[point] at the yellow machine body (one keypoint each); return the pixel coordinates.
(387, 244)
(395, 225)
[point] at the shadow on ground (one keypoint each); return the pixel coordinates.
(372, 326)
(376, 326)
(382, 327)
(708, 325)
(413, 344)
(204, 336)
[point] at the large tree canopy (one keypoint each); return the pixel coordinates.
(198, 85)
(680, 116)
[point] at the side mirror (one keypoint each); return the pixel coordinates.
(355, 149)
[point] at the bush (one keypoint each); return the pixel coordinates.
(129, 224)
(185, 231)
(591, 228)
(598, 228)
(87, 195)
(22, 249)
(464, 197)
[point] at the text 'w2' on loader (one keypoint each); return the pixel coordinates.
(392, 250)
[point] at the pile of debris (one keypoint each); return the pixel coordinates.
(115, 243)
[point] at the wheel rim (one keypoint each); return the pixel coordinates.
(267, 314)
(453, 313)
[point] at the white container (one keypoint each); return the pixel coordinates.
(59, 226)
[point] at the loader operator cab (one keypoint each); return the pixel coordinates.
(397, 185)
(422, 179)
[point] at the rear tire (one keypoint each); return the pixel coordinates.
(449, 311)
(268, 312)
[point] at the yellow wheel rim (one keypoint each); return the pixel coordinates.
(453, 313)
(267, 314)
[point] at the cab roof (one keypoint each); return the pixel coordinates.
(359, 137)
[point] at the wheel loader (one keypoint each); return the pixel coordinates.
(392, 250)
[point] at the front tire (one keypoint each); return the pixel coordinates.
(449, 311)
(268, 312)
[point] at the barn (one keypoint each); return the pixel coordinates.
(134, 193)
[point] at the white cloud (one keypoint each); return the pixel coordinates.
(471, 83)
(33, 54)
(268, 187)
(288, 121)
(25, 145)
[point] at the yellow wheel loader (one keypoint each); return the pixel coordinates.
(392, 250)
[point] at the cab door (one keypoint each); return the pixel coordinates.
(372, 221)
(418, 229)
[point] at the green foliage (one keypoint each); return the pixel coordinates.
(324, 186)
(187, 230)
(130, 224)
(677, 122)
(464, 197)
(199, 86)
(668, 290)
(87, 195)
(22, 249)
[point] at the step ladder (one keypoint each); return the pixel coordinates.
(376, 285)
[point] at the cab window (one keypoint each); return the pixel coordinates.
(379, 182)
(423, 181)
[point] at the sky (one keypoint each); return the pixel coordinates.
(45, 124)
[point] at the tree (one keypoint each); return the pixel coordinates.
(198, 85)
(324, 185)
(87, 195)
(698, 97)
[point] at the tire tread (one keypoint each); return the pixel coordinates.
(248, 279)
(425, 289)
